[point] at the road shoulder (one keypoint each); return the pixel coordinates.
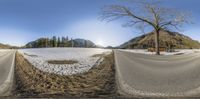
(6, 87)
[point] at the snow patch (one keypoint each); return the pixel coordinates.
(177, 51)
(39, 58)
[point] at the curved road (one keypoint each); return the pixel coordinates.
(7, 58)
(151, 75)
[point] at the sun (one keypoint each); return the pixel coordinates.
(100, 43)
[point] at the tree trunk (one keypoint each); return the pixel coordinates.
(157, 45)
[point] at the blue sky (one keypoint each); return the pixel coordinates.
(22, 21)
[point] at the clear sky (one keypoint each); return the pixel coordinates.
(22, 21)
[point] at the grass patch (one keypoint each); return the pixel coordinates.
(179, 54)
(97, 55)
(62, 61)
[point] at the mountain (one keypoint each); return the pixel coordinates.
(3, 46)
(83, 43)
(167, 40)
(57, 42)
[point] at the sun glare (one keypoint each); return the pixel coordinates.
(99, 32)
(100, 43)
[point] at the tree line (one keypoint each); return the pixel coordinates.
(51, 42)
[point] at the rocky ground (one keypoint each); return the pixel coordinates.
(97, 82)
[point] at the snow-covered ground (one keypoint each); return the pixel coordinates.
(39, 58)
(177, 51)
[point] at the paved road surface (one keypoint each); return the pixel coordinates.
(6, 71)
(151, 75)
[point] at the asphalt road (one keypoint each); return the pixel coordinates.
(151, 75)
(6, 71)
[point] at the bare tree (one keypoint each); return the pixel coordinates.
(146, 14)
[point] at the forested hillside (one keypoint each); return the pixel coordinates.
(167, 40)
(59, 42)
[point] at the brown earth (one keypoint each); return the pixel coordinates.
(3, 46)
(97, 82)
(62, 61)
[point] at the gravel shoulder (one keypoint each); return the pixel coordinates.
(97, 82)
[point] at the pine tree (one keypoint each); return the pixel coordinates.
(59, 42)
(63, 41)
(54, 41)
(51, 42)
(67, 39)
(72, 42)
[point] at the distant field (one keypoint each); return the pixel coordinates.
(75, 60)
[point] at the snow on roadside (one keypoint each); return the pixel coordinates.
(39, 58)
(177, 51)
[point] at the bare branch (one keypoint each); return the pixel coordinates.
(132, 23)
(157, 17)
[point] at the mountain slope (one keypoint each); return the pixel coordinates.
(83, 43)
(167, 39)
(3, 46)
